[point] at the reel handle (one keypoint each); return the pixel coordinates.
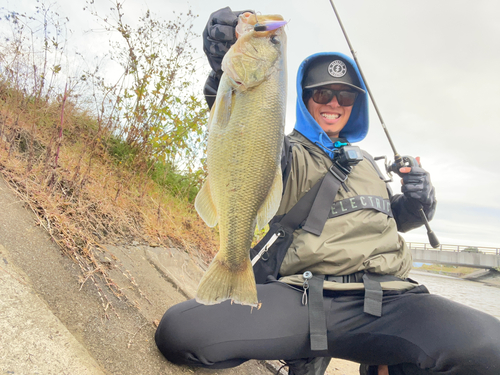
(400, 162)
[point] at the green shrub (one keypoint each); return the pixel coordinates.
(184, 185)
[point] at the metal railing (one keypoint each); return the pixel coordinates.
(454, 248)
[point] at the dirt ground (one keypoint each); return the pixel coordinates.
(46, 298)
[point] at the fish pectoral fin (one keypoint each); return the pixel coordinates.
(221, 111)
(205, 205)
(272, 203)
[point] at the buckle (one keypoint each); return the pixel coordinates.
(337, 173)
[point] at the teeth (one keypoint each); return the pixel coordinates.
(330, 116)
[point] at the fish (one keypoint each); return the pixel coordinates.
(243, 187)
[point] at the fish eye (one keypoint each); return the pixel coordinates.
(275, 40)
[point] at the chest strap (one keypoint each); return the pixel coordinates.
(321, 207)
(360, 202)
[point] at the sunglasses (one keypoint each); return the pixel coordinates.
(324, 96)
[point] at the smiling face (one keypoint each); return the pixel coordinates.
(331, 117)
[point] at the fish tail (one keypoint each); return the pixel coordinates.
(220, 283)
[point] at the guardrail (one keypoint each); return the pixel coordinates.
(454, 248)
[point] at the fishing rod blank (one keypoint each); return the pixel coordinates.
(398, 160)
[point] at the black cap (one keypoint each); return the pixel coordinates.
(327, 70)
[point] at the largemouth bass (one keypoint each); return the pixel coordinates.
(246, 128)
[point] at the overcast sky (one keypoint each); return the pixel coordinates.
(433, 67)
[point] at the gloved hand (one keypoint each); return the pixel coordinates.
(417, 185)
(418, 190)
(218, 36)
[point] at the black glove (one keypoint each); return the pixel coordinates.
(418, 192)
(218, 36)
(417, 186)
(211, 87)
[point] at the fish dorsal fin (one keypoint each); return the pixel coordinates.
(271, 204)
(204, 205)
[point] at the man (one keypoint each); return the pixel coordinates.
(369, 311)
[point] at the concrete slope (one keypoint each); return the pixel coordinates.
(52, 324)
(33, 340)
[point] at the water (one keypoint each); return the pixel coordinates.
(474, 294)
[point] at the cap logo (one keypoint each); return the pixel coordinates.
(337, 69)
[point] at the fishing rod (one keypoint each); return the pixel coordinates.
(399, 161)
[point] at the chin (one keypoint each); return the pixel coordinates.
(332, 132)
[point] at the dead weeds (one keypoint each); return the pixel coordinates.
(85, 200)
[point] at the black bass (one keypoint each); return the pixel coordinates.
(246, 128)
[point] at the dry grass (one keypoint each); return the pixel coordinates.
(87, 200)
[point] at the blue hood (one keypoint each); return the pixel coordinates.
(355, 129)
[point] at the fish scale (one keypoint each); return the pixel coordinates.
(239, 199)
(243, 187)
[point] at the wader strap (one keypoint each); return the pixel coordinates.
(373, 288)
(373, 296)
(299, 212)
(323, 203)
(287, 224)
(317, 319)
